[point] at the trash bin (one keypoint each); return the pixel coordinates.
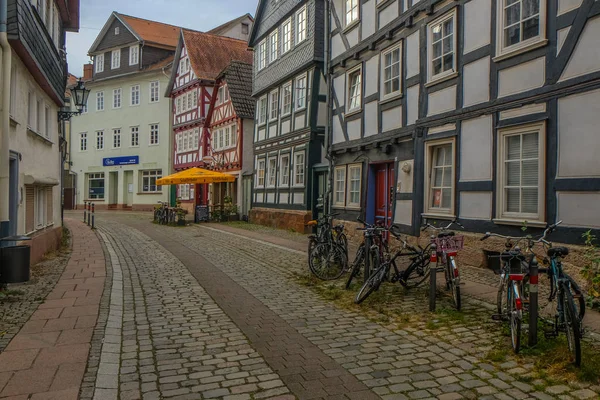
(14, 264)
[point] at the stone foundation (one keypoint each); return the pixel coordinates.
(281, 219)
(43, 242)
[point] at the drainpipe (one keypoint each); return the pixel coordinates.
(4, 120)
(328, 96)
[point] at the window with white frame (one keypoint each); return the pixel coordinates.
(301, 25)
(135, 136)
(286, 32)
(196, 138)
(189, 101)
(274, 104)
(300, 92)
(351, 11)
(227, 137)
(117, 31)
(40, 201)
(442, 46)
(520, 24)
(178, 106)
(149, 179)
(40, 116)
(195, 97)
(221, 138)
(354, 89)
(135, 95)
(260, 173)
(220, 96)
(47, 126)
(115, 59)
(262, 55)
(117, 98)
(273, 45)
(262, 110)
(272, 173)
(83, 141)
(154, 131)
(287, 98)
(100, 101)
(234, 134)
(521, 169)
(100, 140)
(154, 91)
(284, 166)
(13, 91)
(31, 110)
(134, 55)
(99, 63)
(440, 177)
(299, 169)
(184, 192)
(96, 186)
(339, 193)
(354, 185)
(391, 71)
(116, 138)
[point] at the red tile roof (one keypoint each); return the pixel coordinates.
(71, 82)
(152, 31)
(210, 54)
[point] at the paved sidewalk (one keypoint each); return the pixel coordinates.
(48, 357)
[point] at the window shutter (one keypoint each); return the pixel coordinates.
(29, 208)
(49, 206)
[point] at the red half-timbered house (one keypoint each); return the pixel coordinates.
(199, 59)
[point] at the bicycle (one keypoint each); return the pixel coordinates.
(159, 212)
(447, 244)
(420, 259)
(325, 228)
(328, 249)
(377, 246)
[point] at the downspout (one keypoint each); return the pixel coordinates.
(328, 96)
(4, 120)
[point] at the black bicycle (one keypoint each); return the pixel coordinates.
(328, 249)
(420, 259)
(369, 253)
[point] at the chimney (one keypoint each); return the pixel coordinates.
(88, 72)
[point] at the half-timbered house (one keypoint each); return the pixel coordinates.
(289, 88)
(199, 59)
(231, 125)
(477, 109)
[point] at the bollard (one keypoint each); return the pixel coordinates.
(93, 214)
(84, 211)
(89, 213)
(432, 277)
(533, 301)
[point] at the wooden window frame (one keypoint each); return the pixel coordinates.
(99, 61)
(117, 94)
(156, 131)
(273, 36)
(358, 69)
(303, 170)
(259, 162)
(134, 132)
(354, 4)
(83, 141)
(154, 87)
(349, 203)
(429, 149)
(283, 104)
(116, 138)
(271, 179)
(272, 94)
(502, 51)
(336, 202)
(115, 59)
(431, 78)
(398, 46)
(100, 139)
(287, 44)
(100, 99)
(301, 35)
(134, 60)
(133, 93)
(284, 176)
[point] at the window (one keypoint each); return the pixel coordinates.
(116, 138)
(135, 95)
(221, 139)
(99, 63)
(42, 203)
(154, 134)
(260, 174)
(354, 100)
(40, 116)
(273, 46)
(442, 44)
(351, 11)
(178, 105)
(286, 31)
(47, 127)
(391, 74)
(134, 55)
(354, 183)
(117, 98)
(13, 91)
(287, 98)
(115, 59)
(245, 29)
(225, 94)
(220, 96)
(227, 137)
(284, 165)
(100, 140)
(272, 171)
(83, 141)
(31, 114)
(522, 23)
(521, 172)
(339, 195)
(149, 179)
(262, 110)
(300, 92)
(299, 169)
(117, 31)
(274, 100)
(189, 101)
(187, 65)
(440, 164)
(135, 136)
(154, 91)
(184, 192)
(96, 186)
(301, 25)
(100, 101)
(262, 55)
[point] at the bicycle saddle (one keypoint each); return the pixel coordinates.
(445, 234)
(558, 251)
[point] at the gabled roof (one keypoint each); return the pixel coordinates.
(238, 76)
(210, 54)
(219, 29)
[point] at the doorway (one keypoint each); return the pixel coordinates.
(113, 184)
(381, 191)
(13, 202)
(321, 178)
(128, 179)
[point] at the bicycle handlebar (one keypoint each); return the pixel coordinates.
(442, 228)
(541, 239)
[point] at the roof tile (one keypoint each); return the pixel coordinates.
(152, 31)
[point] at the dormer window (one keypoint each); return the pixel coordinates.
(245, 29)
(117, 31)
(115, 59)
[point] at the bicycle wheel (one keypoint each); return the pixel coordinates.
(372, 264)
(371, 284)
(501, 297)
(416, 273)
(312, 243)
(342, 240)
(514, 318)
(327, 261)
(572, 326)
(577, 294)
(452, 281)
(357, 265)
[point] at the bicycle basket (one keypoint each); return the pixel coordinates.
(515, 263)
(449, 244)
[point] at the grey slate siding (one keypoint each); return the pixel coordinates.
(273, 13)
(111, 40)
(152, 55)
(123, 69)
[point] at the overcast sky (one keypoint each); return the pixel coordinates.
(201, 15)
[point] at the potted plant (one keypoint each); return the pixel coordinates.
(181, 213)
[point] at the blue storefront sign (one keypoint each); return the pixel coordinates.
(128, 160)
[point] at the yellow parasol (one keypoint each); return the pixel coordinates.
(196, 176)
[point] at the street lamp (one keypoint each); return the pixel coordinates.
(80, 95)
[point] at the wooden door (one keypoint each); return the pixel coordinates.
(384, 193)
(69, 194)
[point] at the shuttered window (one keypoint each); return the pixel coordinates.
(49, 206)
(29, 208)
